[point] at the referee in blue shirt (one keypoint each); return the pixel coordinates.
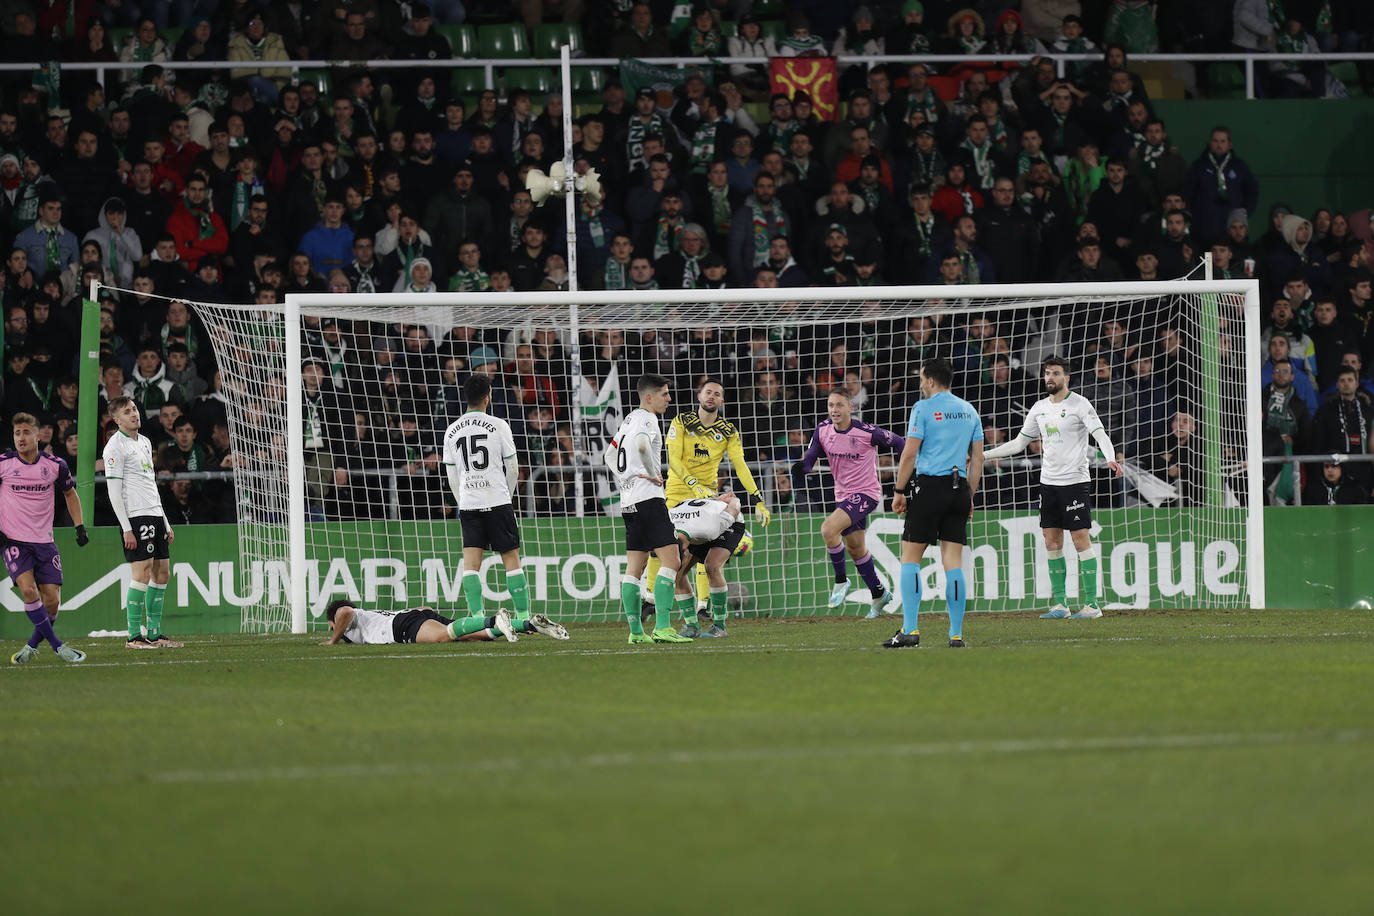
(944, 449)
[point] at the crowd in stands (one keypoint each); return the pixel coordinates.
(243, 184)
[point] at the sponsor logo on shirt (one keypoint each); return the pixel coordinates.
(952, 415)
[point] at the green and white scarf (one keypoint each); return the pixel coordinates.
(720, 207)
(243, 192)
(1150, 156)
(367, 280)
(1025, 160)
(926, 103)
(1276, 15)
(971, 44)
(665, 237)
(704, 146)
(803, 45)
(615, 275)
(780, 134)
(469, 281)
(925, 228)
(982, 164)
(595, 228)
(764, 230)
(205, 227)
(968, 267)
(52, 251)
(635, 133)
(1220, 167)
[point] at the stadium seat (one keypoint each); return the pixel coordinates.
(502, 41)
(586, 104)
(118, 36)
(1227, 80)
(588, 80)
(773, 29)
(729, 28)
(320, 78)
(537, 81)
(1347, 72)
(462, 39)
(549, 38)
(468, 82)
(172, 34)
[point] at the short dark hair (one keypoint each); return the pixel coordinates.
(183, 420)
(1059, 361)
(332, 608)
(650, 382)
(938, 371)
(476, 388)
(1347, 370)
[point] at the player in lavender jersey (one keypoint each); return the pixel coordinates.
(851, 446)
(27, 481)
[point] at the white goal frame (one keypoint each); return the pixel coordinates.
(565, 305)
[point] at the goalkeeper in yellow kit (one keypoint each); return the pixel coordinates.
(697, 442)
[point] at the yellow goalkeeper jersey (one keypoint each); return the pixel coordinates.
(695, 451)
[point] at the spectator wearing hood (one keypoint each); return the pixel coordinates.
(120, 246)
(1218, 182)
(1298, 254)
(148, 384)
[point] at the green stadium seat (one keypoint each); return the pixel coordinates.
(321, 78)
(588, 80)
(729, 28)
(462, 39)
(117, 36)
(1227, 80)
(765, 9)
(586, 104)
(537, 81)
(550, 37)
(774, 29)
(506, 41)
(468, 83)
(172, 34)
(1348, 72)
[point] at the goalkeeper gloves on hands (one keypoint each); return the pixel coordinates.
(763, 514)
(82, 538)
(698, 491)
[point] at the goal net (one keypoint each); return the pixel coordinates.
(338, 406)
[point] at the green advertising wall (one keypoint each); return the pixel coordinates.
(1306, 153)
(1314, 561)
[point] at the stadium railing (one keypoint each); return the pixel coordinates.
(491, 66)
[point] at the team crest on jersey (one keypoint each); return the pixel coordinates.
(45, 472)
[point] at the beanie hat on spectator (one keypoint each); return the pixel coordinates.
(800, 96)
(913, 6)
(483, 356)
(420, 11)
(1280, 208)
(1238, 215)
(838, 227)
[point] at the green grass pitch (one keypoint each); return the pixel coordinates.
(1204, 762)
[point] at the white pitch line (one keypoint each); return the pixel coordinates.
(624, 759)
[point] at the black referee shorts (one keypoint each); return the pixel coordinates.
(1066, 506)
(938, 510)
(490, 529)
(648, 526)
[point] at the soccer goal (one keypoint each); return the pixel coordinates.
(338, 406)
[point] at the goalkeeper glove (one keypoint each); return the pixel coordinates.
(699, 491)
(798, 469)
(763, 514)
(82, 538)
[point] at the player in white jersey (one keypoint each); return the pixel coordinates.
(132, 485)
(352, 624)
(1067, 426)
(635, 457)
(483, 468)
(708, 531)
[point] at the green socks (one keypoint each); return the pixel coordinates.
(519, 592)
(720, 599)
(663, 598)
(686, 606)
(133, 608)
(472, 591)
(1087, 576)
(466, 626)
(156, 595)
(1059, 572)
(629, 602)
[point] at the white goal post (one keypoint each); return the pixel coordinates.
(1186, 530)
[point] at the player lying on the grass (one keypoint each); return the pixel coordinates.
(635, 458)
(28, 480)
(944, 447)
(1064, 421)
(483, 468)
(132, 484)
(708, 531)
(350, 623)
(851, 446)
(698, 440)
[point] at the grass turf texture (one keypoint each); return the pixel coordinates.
(1152, 763)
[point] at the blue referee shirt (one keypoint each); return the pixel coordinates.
(947, 426)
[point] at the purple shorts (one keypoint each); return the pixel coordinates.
(857, 506)
(20, 557)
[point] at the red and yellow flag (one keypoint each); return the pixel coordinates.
(816, 76)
